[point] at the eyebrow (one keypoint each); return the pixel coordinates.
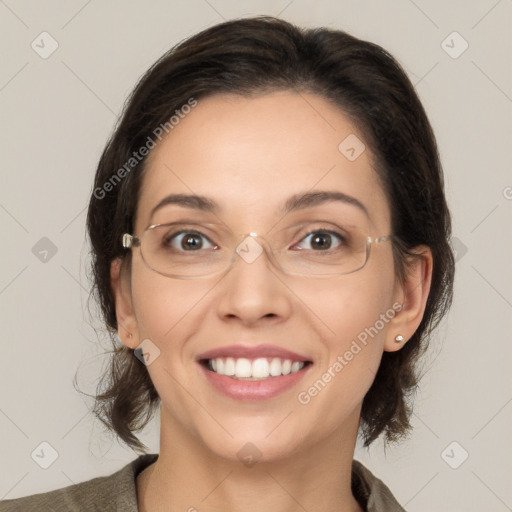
(294, 203)
(188, 201)
(310, 199)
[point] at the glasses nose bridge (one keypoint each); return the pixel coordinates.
(249, 247)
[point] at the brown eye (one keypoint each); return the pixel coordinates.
(322, 240)
(187, 241)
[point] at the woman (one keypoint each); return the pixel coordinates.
(270, 243)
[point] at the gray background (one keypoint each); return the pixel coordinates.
(56, 116)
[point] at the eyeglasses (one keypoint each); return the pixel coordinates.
(178, 250)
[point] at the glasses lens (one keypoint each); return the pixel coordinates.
(180, 250)
(325, 252)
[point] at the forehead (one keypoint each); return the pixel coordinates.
(250, 155)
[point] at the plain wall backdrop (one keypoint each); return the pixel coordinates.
(57, 111)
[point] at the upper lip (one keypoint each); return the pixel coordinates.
(252, 352)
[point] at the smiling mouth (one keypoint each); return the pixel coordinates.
(262, 368)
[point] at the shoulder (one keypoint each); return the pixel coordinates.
(115, 492)
(371, 492)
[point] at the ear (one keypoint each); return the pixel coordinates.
(127, 327)
(411, 295)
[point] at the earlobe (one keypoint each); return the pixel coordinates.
(412, 296)
(126, 322)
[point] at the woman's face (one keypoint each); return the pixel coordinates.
(250, 156)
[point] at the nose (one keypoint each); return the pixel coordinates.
(253, 290)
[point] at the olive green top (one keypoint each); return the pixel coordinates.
(118, 492)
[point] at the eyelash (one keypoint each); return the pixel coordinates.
(171, 236)
(325, 232)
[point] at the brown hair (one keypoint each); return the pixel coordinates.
(253, 56)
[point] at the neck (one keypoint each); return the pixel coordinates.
(188, 477)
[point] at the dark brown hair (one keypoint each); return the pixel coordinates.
(252, 56)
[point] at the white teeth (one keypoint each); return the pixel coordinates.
(229, 366)
(275, 367)
(258, 369)
(243, 368)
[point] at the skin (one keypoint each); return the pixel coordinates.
(250, 155)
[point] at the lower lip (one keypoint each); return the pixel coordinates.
(253, 389)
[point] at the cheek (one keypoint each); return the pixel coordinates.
(169, 313)
(351, 306)
(165, 307)
(355, 315)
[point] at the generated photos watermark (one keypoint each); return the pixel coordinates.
(305, 397)
(137, 156)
